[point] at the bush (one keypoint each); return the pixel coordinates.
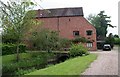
(22, 48)
(78, 50)
(37, 60)
(64, 43)
(79, 39)
(44, 40)
(22, 72)
(11, 48)
(117, 41)
(11, 68)
(8, 69)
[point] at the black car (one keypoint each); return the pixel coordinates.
(107, 47)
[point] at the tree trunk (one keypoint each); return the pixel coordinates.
(17, 55)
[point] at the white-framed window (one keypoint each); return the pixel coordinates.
(89, 45)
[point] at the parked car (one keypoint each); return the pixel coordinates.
(107, 47)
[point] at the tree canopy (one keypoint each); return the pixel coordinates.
(101, 23)
(14, 20)
(116, 36)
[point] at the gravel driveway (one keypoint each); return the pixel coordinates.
(105, 64)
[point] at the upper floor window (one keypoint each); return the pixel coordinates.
(76, 33)
(89, 32)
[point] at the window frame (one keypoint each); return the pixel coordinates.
(89, 34)
(89, 45)
(76, 34)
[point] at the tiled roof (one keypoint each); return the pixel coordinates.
(60, 12)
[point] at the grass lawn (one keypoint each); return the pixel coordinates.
(10, 58)
(73, 66)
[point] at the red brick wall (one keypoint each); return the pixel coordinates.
(50, 23)
(66, 26)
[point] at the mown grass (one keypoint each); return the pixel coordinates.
(12, 57)
(74, 66)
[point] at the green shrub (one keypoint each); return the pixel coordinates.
(14, 68)
(8, 69)
(11, 68)
(44, 39)
(78, 50)
(11, 48)
(22, 48)
(63, 43)
(37, 60)
(22, 72)
(79, 39)
(34, 61)
(117, 41)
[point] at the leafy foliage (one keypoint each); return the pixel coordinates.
(117, 41)
(15, 21)
(79, 39)
(45, 39)
(78, 50)
(101, 23)
(11, 48)
(110, 40)
(116, 36)
(37, 60)
(22, 71)
(64, 44)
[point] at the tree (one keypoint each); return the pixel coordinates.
(101, 23)
(16, 20)
(110, 40)
(116, 36)
(44, 39)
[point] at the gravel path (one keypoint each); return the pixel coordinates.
(105, 64)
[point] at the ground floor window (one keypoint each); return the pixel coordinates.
(89, 45)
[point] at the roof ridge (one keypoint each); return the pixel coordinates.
(61, 12)
(61, 8)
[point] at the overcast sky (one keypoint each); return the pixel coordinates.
(89, 7)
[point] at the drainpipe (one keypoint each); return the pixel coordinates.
(38, 14)
(58, 25)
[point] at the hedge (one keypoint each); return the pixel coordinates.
(78, 50)
(11, 48)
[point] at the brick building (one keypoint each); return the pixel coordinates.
(70, 22)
